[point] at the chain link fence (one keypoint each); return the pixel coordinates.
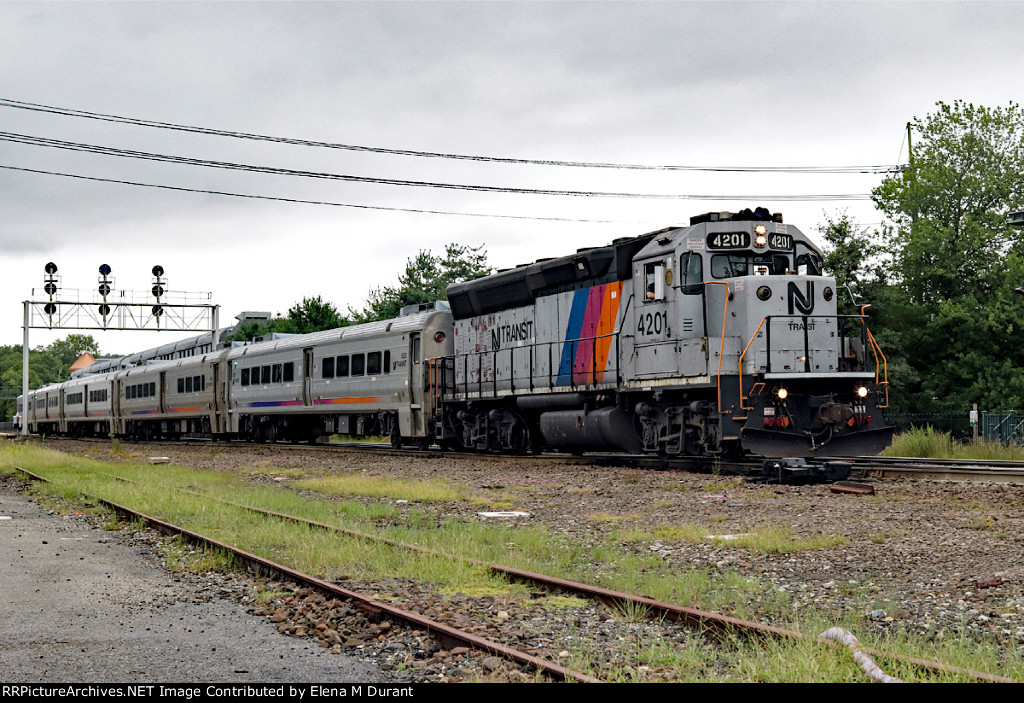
(1006, 428)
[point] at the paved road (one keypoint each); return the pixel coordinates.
(83, 605)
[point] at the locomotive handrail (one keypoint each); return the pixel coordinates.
(590, 374)
(752, 338)
(721, 350)
(877, 351)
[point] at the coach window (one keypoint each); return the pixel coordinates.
(358, 364)
(276, 369)
(188, 384)
(181, 385)
(387, 361)
(342, 366)
(265, 374)
(289, 372)
(373, 363)
(245, 377)
(328, 367)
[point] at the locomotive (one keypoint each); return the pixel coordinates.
(716, 339)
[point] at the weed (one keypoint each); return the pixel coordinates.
(631, 611)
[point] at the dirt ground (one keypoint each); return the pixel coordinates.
(932, 556)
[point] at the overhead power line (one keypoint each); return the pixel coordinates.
(186, 160)
(68, 112)
(317, 202)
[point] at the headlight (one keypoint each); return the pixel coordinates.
(782, 393)
(764, 292)
(761, 236)
(862, 392)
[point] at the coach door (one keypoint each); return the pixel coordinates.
(215, 403)
(417, 382)
(307, 376)
(162, 398)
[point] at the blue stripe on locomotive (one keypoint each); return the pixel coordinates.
(577, 313)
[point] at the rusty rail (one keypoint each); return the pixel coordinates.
(657, 609)
(365, 603)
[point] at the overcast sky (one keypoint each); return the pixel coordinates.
(680, 83)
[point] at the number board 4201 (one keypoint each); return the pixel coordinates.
(780, 241)
(729, 240)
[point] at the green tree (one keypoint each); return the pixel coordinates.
(425, 279)
(46, 365)
(313, 315)
(949, 208)
(947, 310)
(68, 350)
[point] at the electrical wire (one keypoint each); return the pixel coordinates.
(317, 202)
(166, 158)
(67, 112)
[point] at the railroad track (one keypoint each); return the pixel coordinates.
(654, 609)
(862, 466)
(938, 469)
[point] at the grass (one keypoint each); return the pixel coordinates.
(929, 443)
(766, 540)
(613, 562)
(380, 487)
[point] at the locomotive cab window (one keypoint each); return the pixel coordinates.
(735, 265)
(808, 261)
(654, 281)
(691, 274)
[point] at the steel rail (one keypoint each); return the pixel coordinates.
(693, 617)
(364, 603)
(657, 609)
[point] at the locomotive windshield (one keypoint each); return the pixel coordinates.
(807, 257)
(745, 264)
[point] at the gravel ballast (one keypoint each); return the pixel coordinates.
(939, 558)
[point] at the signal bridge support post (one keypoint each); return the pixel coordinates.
(24, 377)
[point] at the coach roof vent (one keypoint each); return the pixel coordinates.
(423, 307)
(252, 316)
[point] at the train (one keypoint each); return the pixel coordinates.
(721, 338)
